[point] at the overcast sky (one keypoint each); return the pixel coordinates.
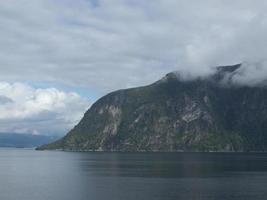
(58, 57)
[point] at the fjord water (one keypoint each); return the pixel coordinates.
(41, 175)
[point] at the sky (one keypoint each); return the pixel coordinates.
(58, 57)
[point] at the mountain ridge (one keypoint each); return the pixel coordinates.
(24, 140)
(173, 114)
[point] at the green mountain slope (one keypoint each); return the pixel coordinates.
(205, 114)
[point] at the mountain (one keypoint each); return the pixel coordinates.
(24, 140)
(202, 114)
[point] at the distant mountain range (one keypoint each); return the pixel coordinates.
(173, 114)
(24, 140)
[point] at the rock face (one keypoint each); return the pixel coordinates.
(205, 114)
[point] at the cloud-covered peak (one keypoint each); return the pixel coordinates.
(252, 74)
(24, 109)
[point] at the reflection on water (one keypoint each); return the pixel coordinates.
(31, 175)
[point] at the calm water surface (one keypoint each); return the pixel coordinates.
(35, 175)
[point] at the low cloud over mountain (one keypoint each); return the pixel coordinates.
(82, 43)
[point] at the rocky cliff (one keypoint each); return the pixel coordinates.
(202, 114)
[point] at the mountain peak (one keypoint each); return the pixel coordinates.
(228, 69)
(225, 73)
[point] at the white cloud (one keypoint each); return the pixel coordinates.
(43, 111)
(124, 43)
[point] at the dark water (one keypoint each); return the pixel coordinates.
(34, 175)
